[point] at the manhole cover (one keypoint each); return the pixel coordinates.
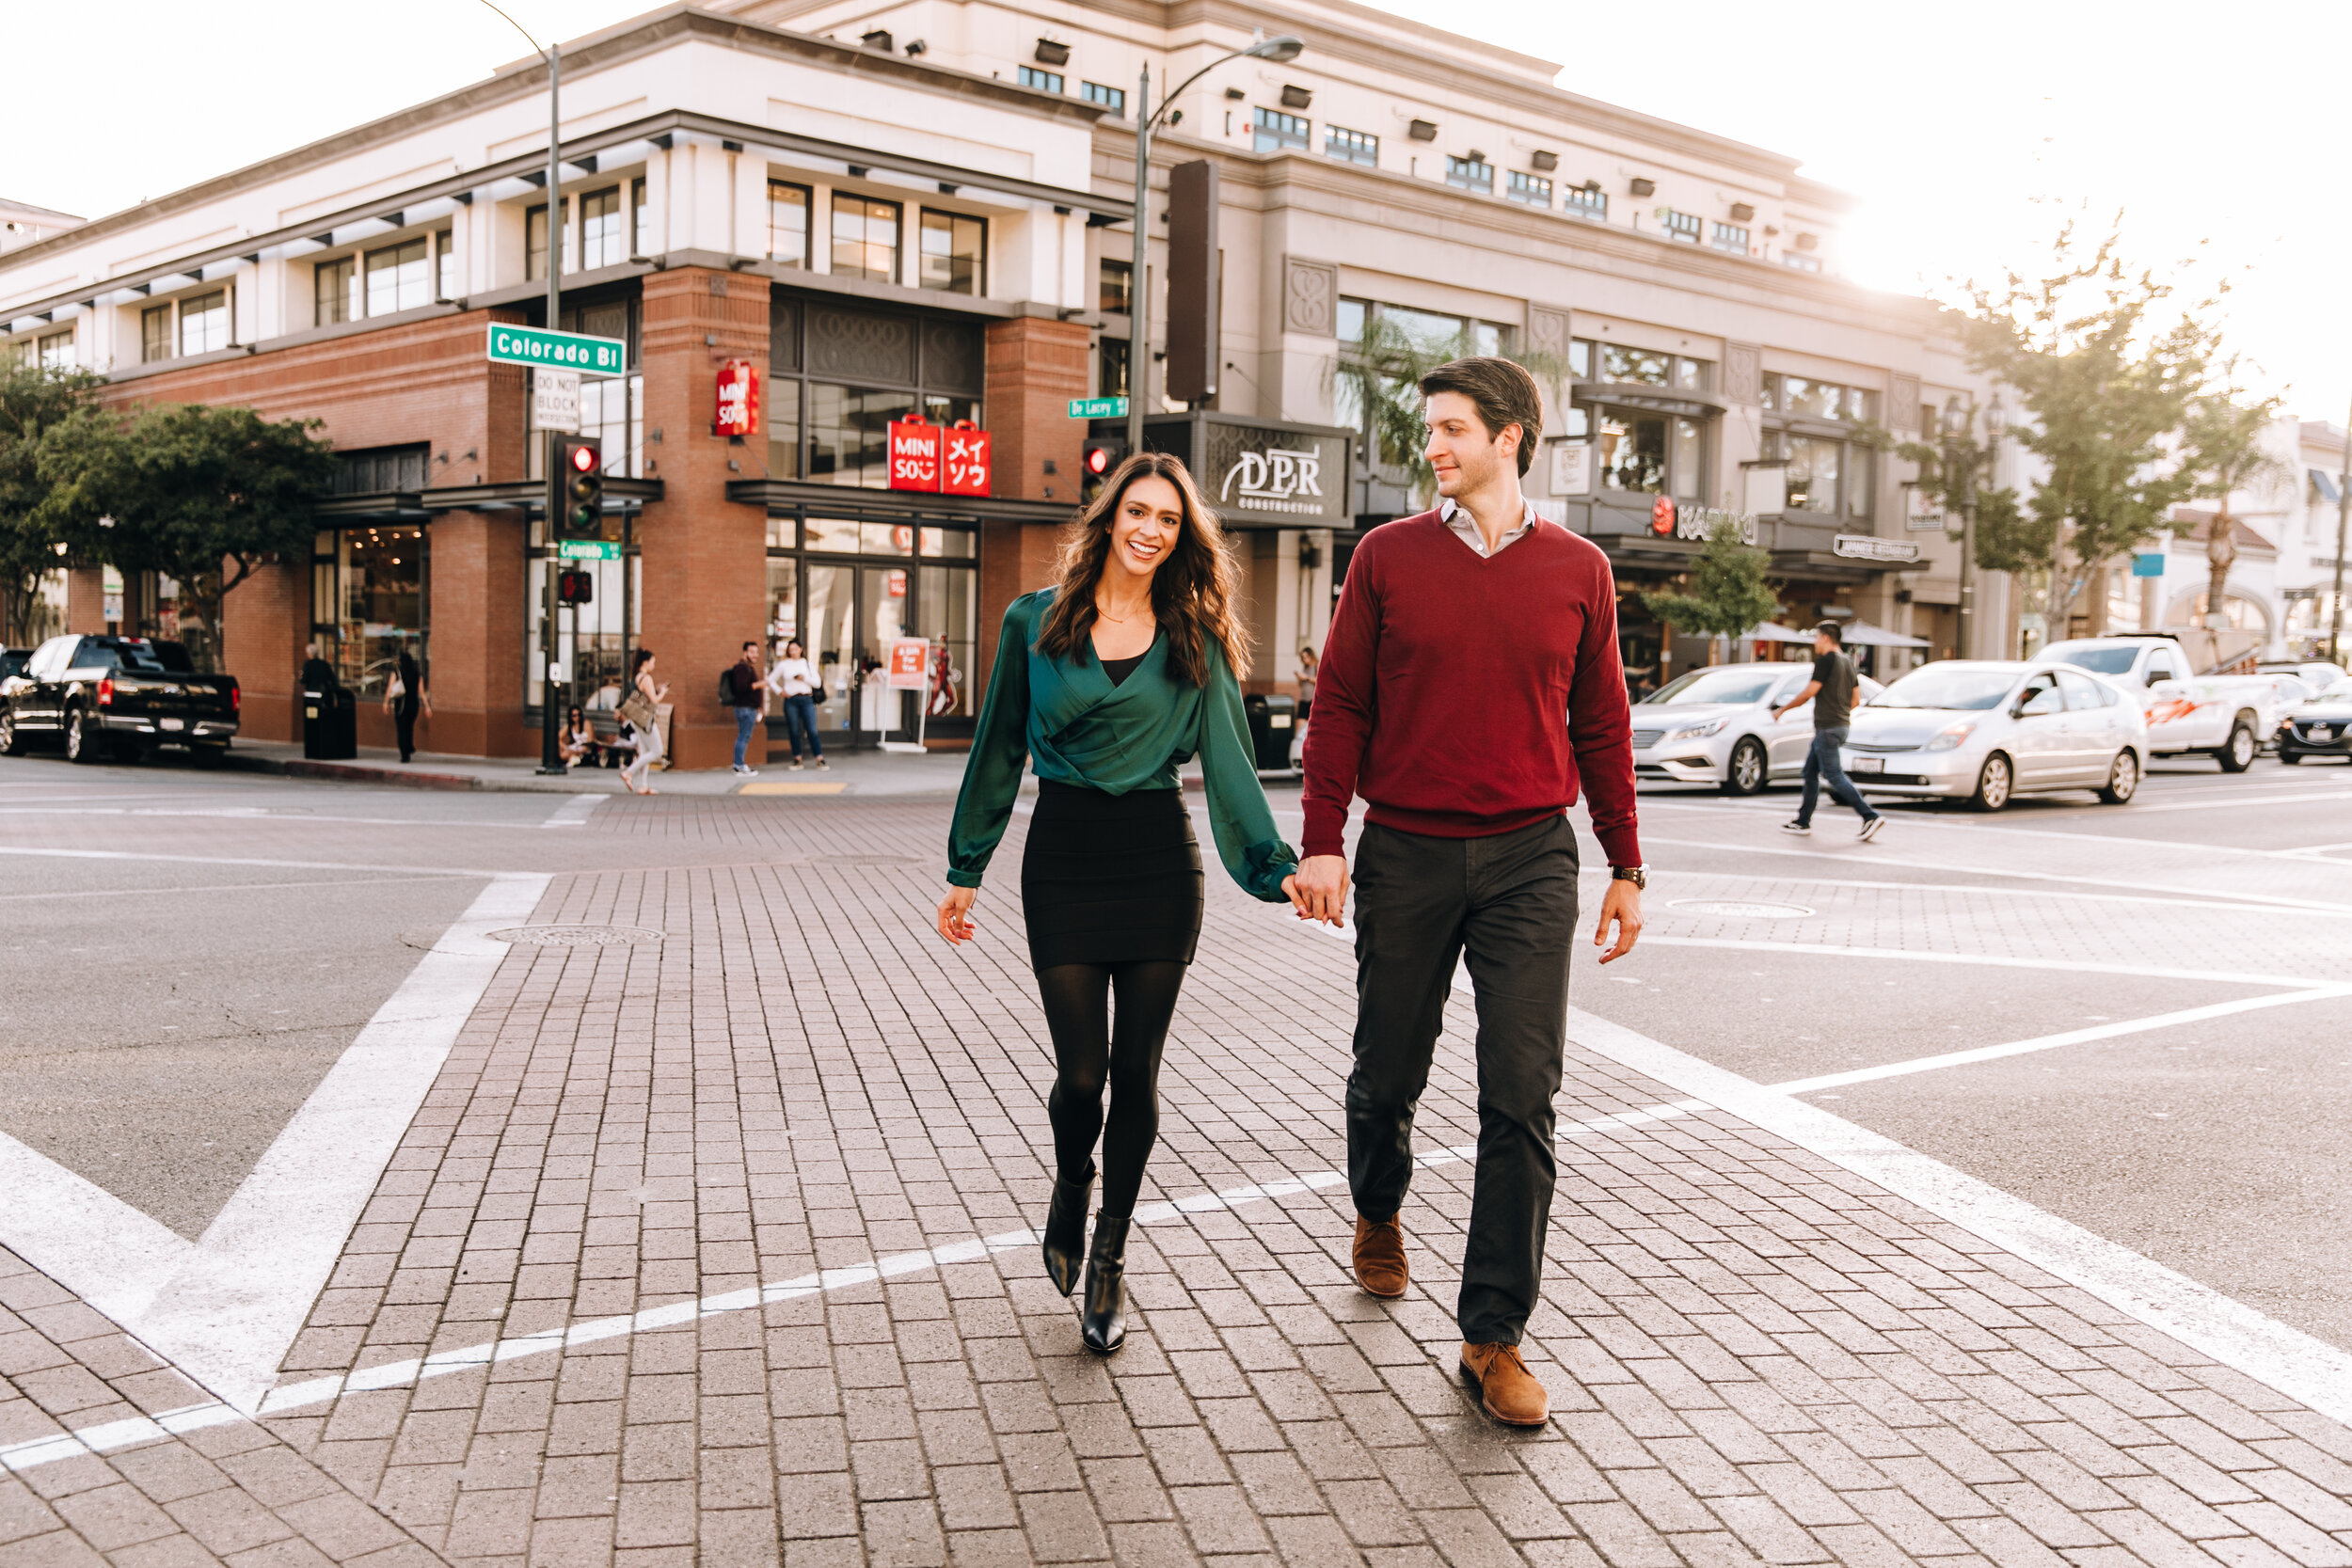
(1738, 907)
(861, 859)
(576, 936)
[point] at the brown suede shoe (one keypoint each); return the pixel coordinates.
(1380, 1255)
(1512, 1395)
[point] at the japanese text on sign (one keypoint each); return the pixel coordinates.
(950, 460)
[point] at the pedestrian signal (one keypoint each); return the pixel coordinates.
(582, 459)
(575, 587)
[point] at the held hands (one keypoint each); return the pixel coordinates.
(1318, 890)
(955, 916)
(1621, 904)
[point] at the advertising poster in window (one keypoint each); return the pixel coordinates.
(1572, 468)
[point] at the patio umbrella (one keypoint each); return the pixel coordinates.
(1868, 636)
(1774, 632)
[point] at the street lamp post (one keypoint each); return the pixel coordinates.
(2344, 515)
(1138, 297)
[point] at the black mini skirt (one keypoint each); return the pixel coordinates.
(1111, 878)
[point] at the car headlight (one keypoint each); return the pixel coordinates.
(1698, 732)
(1952, 736)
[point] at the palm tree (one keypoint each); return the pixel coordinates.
(1380, 374)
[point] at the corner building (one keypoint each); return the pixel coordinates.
(924, 209)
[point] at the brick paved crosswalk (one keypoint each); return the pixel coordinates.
(721, 1244)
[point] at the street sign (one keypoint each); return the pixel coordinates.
(1098, 408)
(555, 399)
(2148, 563)
(587, 550)
(574, 351)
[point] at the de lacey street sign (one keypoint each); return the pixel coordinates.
(1098, 408)
(560, 351)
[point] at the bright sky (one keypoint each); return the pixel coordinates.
(1959, 129)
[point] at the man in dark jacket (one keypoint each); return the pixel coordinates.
(1832, 692)
(743, 690)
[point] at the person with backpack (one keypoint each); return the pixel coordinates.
(740, 688)
(1832, 691)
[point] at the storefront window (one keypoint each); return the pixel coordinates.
(847, 612)
(848, 429)
(1813, 466)
(371, 593)
(591, 640)
(783, 430)
(1633, 452)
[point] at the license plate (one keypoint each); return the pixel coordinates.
(1278, 721)
(170, 725)
(2323, 733)
(1867, 764)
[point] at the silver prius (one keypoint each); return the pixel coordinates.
(1715, 726)
(1988, 730)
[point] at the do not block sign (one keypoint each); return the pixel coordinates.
(941, 460)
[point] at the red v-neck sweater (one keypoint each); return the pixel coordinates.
(1464, 695)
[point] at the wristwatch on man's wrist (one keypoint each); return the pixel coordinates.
(1637, 875)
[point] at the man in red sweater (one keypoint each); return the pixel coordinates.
(1468, 684)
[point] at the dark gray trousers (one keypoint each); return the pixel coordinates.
(1507, 906)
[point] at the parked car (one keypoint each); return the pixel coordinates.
(1989, 730)
(2321, 727)
(12, 662)
(2225, 717)
(1715, 726)
(2317, 674)
(101, 695)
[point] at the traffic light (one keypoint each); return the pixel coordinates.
(575, 587)
(1102, 453)
(582, 459)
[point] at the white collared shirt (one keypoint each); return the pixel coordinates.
(1461, 522)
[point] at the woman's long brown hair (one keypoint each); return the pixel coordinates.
(1192, 593)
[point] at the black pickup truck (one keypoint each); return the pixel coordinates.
(101, 695)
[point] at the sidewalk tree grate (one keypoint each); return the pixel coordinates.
(577, 936)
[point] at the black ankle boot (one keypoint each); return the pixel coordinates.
(1104, 1324)
(1066, 1231)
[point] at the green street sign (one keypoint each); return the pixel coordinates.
(1098, 408)
(566, 351)
(587, 550)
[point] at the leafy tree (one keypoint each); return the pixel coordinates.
(1728, 594)
(1382, 370)
(2221, 451)
(33, 398)
(201, 494)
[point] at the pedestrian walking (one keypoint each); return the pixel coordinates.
(1308, 664)
(642, 711)
(1106, 682)
(794, 678)
(1832, 690)
(1469, 688)
(743, 688)
(404, 698)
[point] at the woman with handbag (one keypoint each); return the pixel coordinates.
(641, 712)
(794, 678)
(404, 697)
(1108, 682)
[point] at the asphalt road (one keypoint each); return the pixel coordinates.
(189, 952)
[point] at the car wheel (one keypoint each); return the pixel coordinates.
(2122, 779)
(1994, 785)
(1748, 769)
(2289, 758)
(2237, 752)
(12, 743)
(80, 745)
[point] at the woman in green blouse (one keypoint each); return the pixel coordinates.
(1106, 683)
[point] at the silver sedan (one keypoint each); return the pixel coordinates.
(1715, 726)
(1989, 730)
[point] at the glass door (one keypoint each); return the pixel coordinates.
(882, 617)
(832, 630)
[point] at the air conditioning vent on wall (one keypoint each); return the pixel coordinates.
(1543, 163)
(1296, 98)
(1422, 130)
(1741, 211)
(1050, 52)
(878, 39)
(1644, 187)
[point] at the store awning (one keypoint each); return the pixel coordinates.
(1771, 631)
(1868, 636)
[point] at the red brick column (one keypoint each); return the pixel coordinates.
(476, 681)
(1035, 364)
(266, 635)
(705, 558)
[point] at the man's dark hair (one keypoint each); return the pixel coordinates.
(1831, 630)
(1503, 395)
(750, 647)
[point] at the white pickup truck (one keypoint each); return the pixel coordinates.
(2191, 706)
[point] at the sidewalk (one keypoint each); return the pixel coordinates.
(850, 772)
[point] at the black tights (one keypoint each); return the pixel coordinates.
(1091, 1048)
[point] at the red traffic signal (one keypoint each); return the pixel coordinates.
(581, 509)
(585, 459)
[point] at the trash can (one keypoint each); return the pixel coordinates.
(331, 715)
(1273, 724)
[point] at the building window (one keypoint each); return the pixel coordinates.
(895, 364)
(154, 334)
(1639, 366)
(1470, 174)
(398, 277)
(954, 252)
(787, 224)
(1533, 189)
(1044, 81)
(602, 241)
(1354, 147)
(1632, 450)
(1818, 400)
(445, 266)
(1682, 228)
(204, 323)
(864, 238)
(1271, 131)
(55, 351)
(1732, 237)
(370, 595)
(1113, 98)
(1115, 288)
(535, 241)
(1801, 263)
(334, 290)
(640, 220)
(1111, 373)
(1586, 202)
